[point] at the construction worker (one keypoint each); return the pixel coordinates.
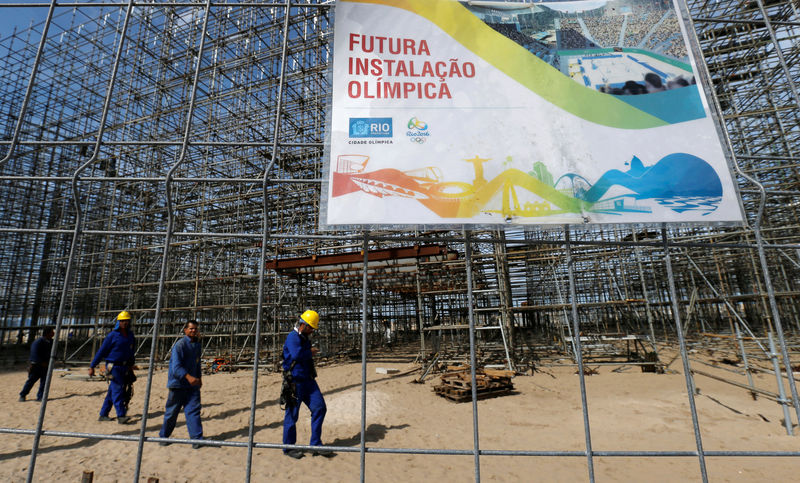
(184, 380)
(298, 360)
(388, 334)
(118, 350)
(40, 360)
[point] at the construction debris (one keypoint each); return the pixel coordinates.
(222, 363)
(456, 383)
(587, 371)
(84, 377)
(432, 365)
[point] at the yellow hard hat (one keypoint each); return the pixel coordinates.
(311, 318)
(124, 315)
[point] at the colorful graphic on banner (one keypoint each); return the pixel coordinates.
(446, 113)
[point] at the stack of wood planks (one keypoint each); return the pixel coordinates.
(456, 383)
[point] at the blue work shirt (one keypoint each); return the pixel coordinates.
(298, 348)
(185, 359)
(40, 351)
(116, 348)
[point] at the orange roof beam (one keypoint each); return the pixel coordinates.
(397, 253)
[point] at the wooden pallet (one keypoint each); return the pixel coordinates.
(464, 395)
(456, 384)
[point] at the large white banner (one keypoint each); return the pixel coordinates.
(446, 113)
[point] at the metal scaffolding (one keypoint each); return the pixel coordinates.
(166, 159)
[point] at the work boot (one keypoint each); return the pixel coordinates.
(123, 419)
(104, 418)
(326, 453)
(21, 399)
(294, 453)
(164, 443)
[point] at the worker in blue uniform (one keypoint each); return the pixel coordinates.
(184, 381)
(298, 360)
(118, 350)
(40, 360)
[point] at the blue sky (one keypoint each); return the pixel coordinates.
(19, 17)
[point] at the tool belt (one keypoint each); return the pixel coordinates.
(288, 396)
(128, 378)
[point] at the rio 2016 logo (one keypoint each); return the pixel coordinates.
(415, 123)
(417, 131)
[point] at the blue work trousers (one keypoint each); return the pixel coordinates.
(308, 393)
(189, 401)
(116, 394)
(35, 372)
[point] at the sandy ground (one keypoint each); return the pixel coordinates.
(628, 410)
